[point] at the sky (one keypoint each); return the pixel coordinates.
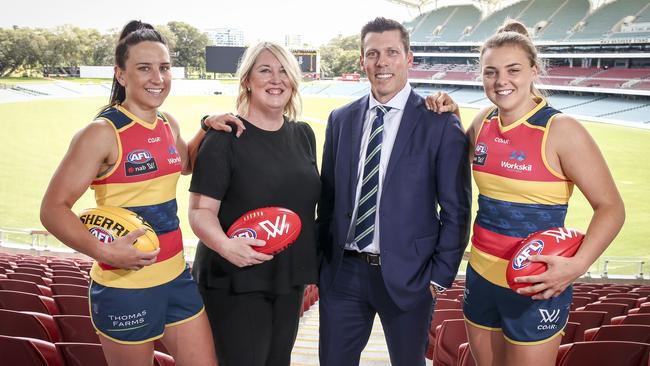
(316, 20)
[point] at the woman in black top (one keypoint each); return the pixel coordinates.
(252, 299)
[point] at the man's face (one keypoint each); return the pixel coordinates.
(386, 63)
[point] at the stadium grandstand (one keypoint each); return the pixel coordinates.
(597, 59)
(596, 53)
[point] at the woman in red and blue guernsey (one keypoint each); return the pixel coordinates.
(132, 155)
(527, 157)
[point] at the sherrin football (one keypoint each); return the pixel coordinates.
(559, 241)
(107, 223)
(278, 226)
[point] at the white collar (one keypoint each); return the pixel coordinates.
(397, 102)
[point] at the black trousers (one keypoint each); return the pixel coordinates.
(255, 328)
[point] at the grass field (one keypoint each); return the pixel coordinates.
(34, 137)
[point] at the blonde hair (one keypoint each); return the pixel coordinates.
(293, 108)
(514, 33)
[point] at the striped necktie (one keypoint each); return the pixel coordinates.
(367, 206)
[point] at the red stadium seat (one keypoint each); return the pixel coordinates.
(440, 316)
(603, 353)
(67, 289)
(76, 328)
(71, 274)
(642, 300)
(81, 354)
(629, 302)
(612, 310)
(23, 301)
(570, 332)
(643, 309)
(21, 351)
(163, 359)
(70, 280)
(579, 301)
(72, 305)
(632, 319)
(449, 336)
(593, 297)
(43, 281)
(28, 324)
(442, 304)
(465, 357)
(625, 332)
(451, 293)
(587, 320)
(24, 286)
(31, 270)
(624, 295)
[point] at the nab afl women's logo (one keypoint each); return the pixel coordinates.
(480, 154)
(139, 162)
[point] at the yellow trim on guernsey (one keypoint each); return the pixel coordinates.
(135, 119)
(520, 191)
(489, 267)
(112, 169)
(149, 276)
(144, 193)
(546, 164)
(541, 102)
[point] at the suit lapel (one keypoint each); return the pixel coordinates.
(410, 119)
(356, 119)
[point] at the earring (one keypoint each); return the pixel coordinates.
(248, 89)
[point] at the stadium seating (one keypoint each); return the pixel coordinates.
(570, 333)
(489, 25)
(76, 328)
(72, 305)
(563, 19)
(28, 324)
(465, 357)
(67, 289)
(599, 23)
(611, 310)
(603, 353)
(22, 301)
(22, 351)
(449, 336)
(24, 286)
(632, 319)
(622, 332)
(587, 320)
(439, 316)
(43, 281)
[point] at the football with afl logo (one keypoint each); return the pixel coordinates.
(107, 223)
(559, 241)
(278, 226)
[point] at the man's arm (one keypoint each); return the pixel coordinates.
(454, 197)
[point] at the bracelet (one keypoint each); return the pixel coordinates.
(204, 127)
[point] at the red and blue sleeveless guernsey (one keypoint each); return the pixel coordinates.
(144, 181)
(519, 193)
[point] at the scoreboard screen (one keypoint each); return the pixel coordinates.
(225, 59)
(306, 60)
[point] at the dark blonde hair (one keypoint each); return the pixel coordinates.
(293, 109)
(514, 33)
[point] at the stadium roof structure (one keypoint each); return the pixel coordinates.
(486, 6)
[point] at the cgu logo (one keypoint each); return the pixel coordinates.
(531, 248)
(101, 234)
(561, 233)
(139, 156)
(279, 228)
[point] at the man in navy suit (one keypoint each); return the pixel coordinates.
(394, 213)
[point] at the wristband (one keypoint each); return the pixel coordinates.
(204, 127)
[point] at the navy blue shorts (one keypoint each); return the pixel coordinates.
(133, 316)
(521, 319)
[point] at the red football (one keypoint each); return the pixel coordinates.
(559, 241)
(278, 226)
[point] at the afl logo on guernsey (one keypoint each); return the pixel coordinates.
(480, 154)
(521, 259)
(139, 162)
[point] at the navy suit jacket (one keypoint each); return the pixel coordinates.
(424, 213)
